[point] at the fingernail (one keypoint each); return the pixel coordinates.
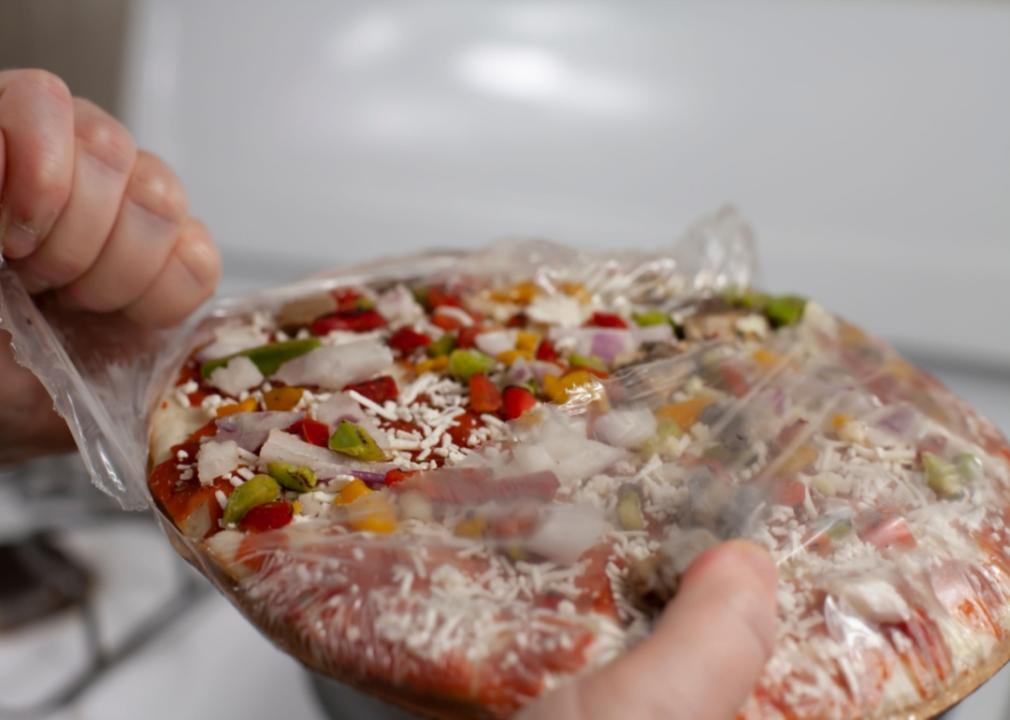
(18, 241)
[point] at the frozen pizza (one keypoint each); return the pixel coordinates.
(455, 492)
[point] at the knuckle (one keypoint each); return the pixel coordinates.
(104, 138)
(156, 188)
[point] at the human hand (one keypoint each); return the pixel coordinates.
(704, 657)
(86, 216)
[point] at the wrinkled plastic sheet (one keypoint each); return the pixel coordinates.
(882, 496)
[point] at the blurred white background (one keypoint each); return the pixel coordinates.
(867, 142)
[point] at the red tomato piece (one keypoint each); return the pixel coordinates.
(734, 380)
(269, 516)
(609, 320)
(547, 351)
(893, 532)
(378, 390)
(484, 395)
(311, 431)
(406, 340)
(516, 321)
(460, 432)
(791, 493)
(396, 475)
(517, 401)
(467, 337)
(437, 296)
(348, 300)
(354, 321)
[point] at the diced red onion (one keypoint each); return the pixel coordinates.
(653, 333)
(231, 338)
(238, 375)
(627, 429)
(398, 306)
(285, 447)
(250, 430)
(334, 366)
(520, 373)
(373, 480)
(496, 342)
(214, 459)
(566, 531)
(609, 344)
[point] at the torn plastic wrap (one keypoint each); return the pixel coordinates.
(454, 480)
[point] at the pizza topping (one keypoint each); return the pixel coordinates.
(465, 363)
(352, 440)
(438, 419)
(214, 459)
(267, 358)
(259, 490)
(298, 479)
(236, 376)
(249, 430)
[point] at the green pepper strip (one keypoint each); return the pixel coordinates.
(352, 440)
(268, 358)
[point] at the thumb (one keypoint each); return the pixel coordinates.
(703, 658)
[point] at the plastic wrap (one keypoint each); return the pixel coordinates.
(491, 513)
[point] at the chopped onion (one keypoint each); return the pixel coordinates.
(238, 375)
(398, 306)
(543, 368)
(250, 430)
(558, 310)
(214, 459)
(373, 480)
(458, 314)
(285, 447)
(334, 366)
(341, 406)
(653, 333)
(520, 373)
(609, 344)
(496, 342)
(629, 429)
(575, 456)
(231, 338)
(566, 532)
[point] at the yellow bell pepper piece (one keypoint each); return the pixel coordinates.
(839, 421)
(521, 294)
(510, 356)
(527, 341)
(472, 527)
(372, 513)
(351, 491)
(684, 413)
(283, 398)
(437, 364)
(765, 357)
(575, 383)
(247, 405)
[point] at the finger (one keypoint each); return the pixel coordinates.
(704, 657)
(37, 132)
(104, 155)
(188, 278)
(142, 238)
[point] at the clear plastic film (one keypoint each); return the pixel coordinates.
(454, 480)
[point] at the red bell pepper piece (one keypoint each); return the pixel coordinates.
(608, 320)
(396, 475)
(378, 390)
(436, 296)
(311, 431)
(354, 321)
(406, 340)
(547, 351)
(467, 336)
(517, 401)
(269, 516)
(484, 395)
